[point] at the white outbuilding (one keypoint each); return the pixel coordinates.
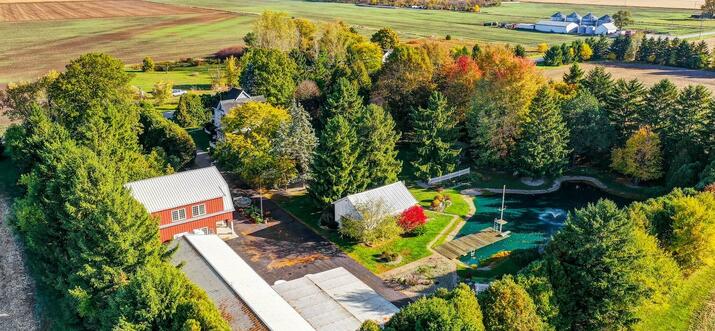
(556, 27)
(605, 29)
(396, 198)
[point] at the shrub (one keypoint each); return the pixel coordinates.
(448, 37)
(388, 256)
(235, 51)
(412, 218)
(148, 64)
(372, 225)
(176, 144)
(161, 92)
(369, 325)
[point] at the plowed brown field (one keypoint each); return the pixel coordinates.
(57, 10)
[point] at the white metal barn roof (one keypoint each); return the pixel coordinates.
(180, 189)
(395, 196)
(270, 308)
(556, 23)
(335, 300)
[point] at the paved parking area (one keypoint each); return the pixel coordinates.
(287, 249)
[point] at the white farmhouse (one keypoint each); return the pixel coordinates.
(395, 196)
(231, 99)
(556, 27)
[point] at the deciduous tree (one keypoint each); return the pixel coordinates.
(190, 111)
(509, 307)
(270, 73)
(275, 30)
(386, 38)
(641, 157)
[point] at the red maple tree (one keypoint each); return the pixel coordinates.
(412, 218)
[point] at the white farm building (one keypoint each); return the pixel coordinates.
(395, 196)
(556, 27)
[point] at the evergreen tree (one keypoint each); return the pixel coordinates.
(658, 103)
(296, 140)
(337, 169)
(623, 104)
(684, 122)
(509, 307)
(343, 100)
(190, 111)
(435, 137)
(591, 134)
(594, 270)
(377, 139)
(599, 83)
(542, 149)
(574, 76)
(520, 51)
(554, 56)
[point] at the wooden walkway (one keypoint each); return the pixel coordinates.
(469, 243)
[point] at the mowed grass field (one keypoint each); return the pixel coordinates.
(32, 47)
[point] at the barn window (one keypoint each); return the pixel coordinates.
(178, 215)
(198, 210)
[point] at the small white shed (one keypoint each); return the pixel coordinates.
(556, 27)
(396, 197)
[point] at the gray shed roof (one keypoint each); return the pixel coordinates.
(335, 300)
(181, 189)
(590, 16)
(574, 15)
(558, 15)
(202, 274)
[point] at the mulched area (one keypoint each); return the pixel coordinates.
(286, 249)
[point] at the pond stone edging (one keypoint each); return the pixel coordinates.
(595, 182)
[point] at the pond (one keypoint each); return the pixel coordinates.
(532, 218)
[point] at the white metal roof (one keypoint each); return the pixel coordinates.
(395, 196)
(180, 189)
(556, 23)
(270, 308)
(335, 300)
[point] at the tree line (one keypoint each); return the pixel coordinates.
(92, 249)
(661, 51)
(454, 5)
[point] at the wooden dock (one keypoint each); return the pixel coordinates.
(469, 243)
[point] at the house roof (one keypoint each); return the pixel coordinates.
(335, 300)
(196, 267)
(395, 196)
(574, 15)
(553, 23)
(558, 15)
(272, 310)
(234, 93)
(229, 104)
(181, 189)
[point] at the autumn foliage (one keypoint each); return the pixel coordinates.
(412, 218)
(459, 80)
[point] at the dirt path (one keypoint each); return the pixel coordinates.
(555, 187)
(17, 293)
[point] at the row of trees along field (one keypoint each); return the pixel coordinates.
(456, 5)
(662, 51)
(93, 250)
(483, 106)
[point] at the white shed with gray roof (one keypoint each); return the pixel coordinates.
(395, 196)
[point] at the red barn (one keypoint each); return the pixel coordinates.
(194, 201)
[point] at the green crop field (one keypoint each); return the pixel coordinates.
(32, 48)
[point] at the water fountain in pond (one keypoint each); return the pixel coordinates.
(553, 216)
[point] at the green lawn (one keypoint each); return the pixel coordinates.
(458, 207)
(410, 248)
(684, 303)
(196, 78)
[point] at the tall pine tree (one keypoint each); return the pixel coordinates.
(685, 121)
(574, 76)
(542, 149)
(599, 83)
(624, 104)
(434, 138)
(337, 168)
(343, 100)
(296, 140)
(377, 140)
(658, 103)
